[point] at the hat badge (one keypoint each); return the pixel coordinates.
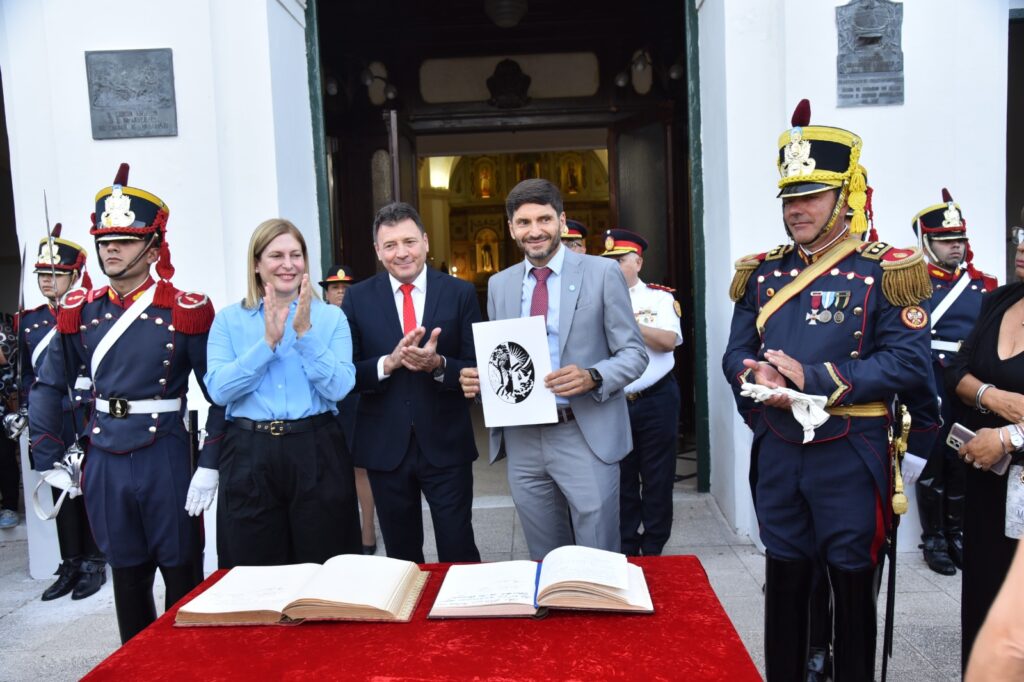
(609, 243)
(117, 211)
(797, 155)
(951, 216)
(49, 254)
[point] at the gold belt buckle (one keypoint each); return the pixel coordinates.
(278, 428)
(632, 397)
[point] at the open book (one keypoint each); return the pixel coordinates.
(570, 577)
(346, 587)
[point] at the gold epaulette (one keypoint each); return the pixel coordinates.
(744, 267)
(660, 287)
(905, 279)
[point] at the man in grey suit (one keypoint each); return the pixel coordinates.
(569, 469)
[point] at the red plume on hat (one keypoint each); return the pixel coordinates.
(946, 196)
(55, 232)
(122, 175)
(802, 114)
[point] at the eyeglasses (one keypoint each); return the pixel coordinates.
(1017, 235)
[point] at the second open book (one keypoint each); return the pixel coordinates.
(570, 577)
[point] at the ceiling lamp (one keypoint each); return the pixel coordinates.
(505, 13)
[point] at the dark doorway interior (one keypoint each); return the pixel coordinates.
(1014, 134)
(400, 74)
(10, 249)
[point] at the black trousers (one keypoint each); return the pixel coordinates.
(10, 479)
(449, 492)
(73, 532)
(647, 473)
(286, 499)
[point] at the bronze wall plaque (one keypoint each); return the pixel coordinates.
(131, 93)
(869, 65)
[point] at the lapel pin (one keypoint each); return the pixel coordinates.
(572, 287)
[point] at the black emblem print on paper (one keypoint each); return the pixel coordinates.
(510, 369)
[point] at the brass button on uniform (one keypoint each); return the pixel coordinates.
(854, 355)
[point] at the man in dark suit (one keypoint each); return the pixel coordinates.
(413, 430)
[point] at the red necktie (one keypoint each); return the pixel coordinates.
(539, 302)
(408, 310)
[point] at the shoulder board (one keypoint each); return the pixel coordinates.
(97, 294)
(661, 287)
(874, 250)
(744, 267)
(750, 262)
(988, 282)
(70, 315)
(778, 252)
(192, 313)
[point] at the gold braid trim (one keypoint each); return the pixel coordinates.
(744, 268)
(906, 282)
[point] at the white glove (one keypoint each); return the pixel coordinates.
(808, 410)
(74, 491)
(911, 468)
(201, 491)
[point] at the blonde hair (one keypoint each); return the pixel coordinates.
(266, 232)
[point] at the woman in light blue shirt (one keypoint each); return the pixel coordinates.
(279, 362)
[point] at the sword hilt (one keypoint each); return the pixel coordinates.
(899, 448)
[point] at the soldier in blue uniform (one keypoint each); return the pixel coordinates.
(958, 292)
(839, 318)
(139, 340)
(574, 236)
(58, 267)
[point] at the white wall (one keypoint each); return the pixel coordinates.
(758, 58)
(244, 149)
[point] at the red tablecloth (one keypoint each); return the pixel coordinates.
(689, 637)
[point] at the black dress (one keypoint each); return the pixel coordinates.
(987, 551)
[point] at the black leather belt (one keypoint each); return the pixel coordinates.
(565, 415)
(280, 427)
(631, 397)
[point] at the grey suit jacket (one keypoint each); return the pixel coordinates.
(596, 328)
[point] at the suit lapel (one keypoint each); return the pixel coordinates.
(387, 300)
(514, 293)
(572, 279)
(434, 294)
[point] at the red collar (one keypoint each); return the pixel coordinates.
(129, 298)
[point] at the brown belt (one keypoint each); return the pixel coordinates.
(875, 409)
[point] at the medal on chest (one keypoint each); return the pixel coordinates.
(827, 306)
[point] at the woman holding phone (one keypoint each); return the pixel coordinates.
(988, 377)
(279, 362)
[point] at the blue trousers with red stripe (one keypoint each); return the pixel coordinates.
(820, 501)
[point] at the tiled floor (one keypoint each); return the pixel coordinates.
(62, 640)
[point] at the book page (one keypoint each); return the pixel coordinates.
(576, 564)
(356, 579)
(252, 588)
(500, 582)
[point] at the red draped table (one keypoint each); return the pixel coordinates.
(689, 637)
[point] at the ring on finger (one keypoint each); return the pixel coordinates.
(977, 465)
(968, 459)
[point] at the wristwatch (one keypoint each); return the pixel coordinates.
(596, 377)
(1016, 440)
(438, 372)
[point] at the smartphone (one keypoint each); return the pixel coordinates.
(960, 435)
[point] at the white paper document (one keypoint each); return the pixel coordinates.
(512, 357)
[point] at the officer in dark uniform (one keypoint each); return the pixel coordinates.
(140, 339)
(58, 267)
(956, 302)
(574, 236)
(335, 284)
(833, 316)
(647, 473)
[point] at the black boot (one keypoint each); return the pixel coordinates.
(94, 574)
(855, 624)
(787, 591)
(955, 529)
(819, 661)
(67, 575)
(133, 599)
(178, 581)
(929, 506)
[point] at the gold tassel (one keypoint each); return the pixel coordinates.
(744, 268)
(857, 200)
(906, 282)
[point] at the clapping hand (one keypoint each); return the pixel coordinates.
(394, 360)
(469, 379)
(301, 323)
(766, 375)
(275, 312)
(425, 359)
